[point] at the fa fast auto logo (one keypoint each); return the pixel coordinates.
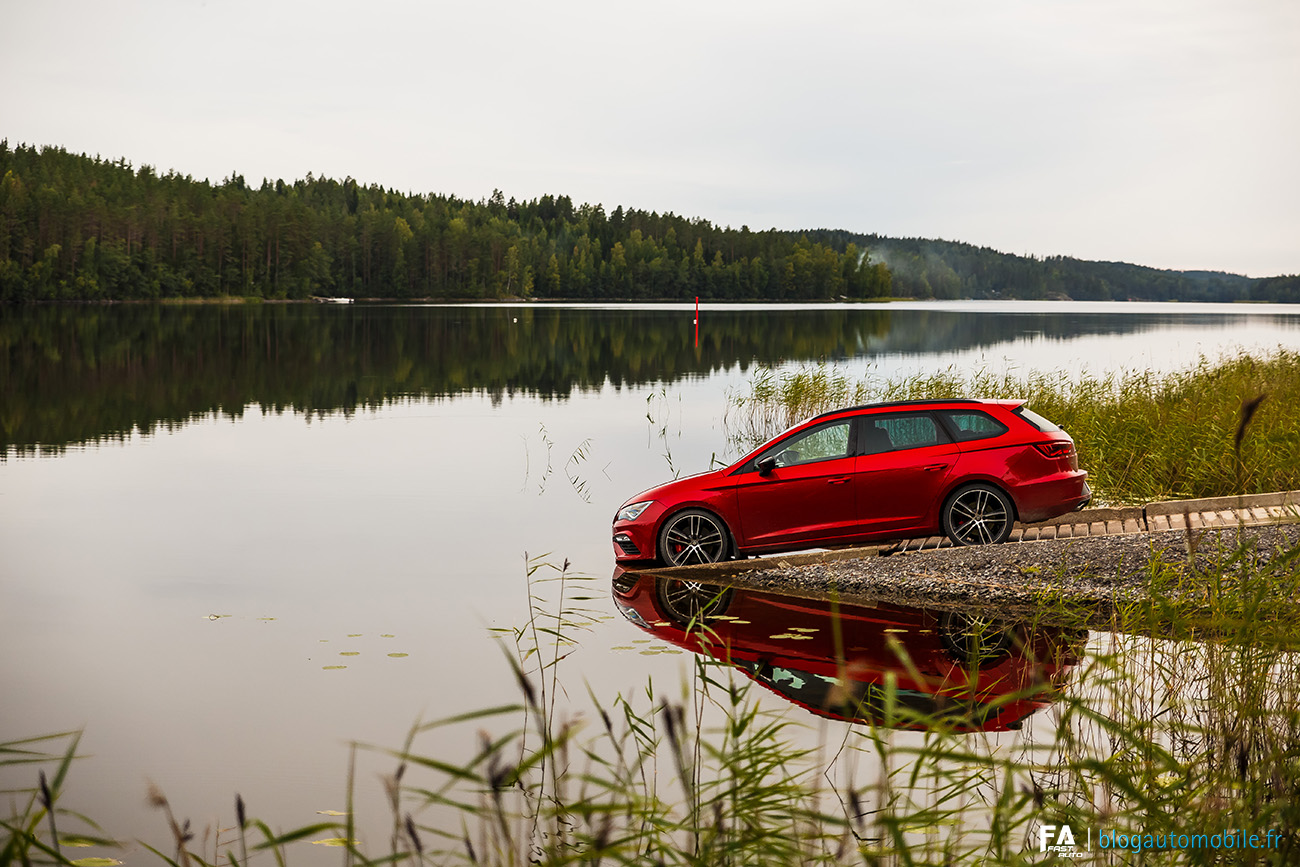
(1058, 839)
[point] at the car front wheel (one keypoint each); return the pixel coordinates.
(693, 537)
(978, 515)
(690, 602)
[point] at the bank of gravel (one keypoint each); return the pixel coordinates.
(1089, 577)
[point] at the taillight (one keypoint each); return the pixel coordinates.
(1055, 450)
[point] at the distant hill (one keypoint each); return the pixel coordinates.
(928, 268)
(75, 227)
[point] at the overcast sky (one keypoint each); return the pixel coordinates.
(1161, 132)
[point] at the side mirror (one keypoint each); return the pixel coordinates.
(766, 465)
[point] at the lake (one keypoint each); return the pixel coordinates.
(235, 538)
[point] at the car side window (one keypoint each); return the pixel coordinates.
(970, 425)
(819, 444)
(890, 433)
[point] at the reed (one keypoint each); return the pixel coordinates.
(1223, 427)
(1150, 736)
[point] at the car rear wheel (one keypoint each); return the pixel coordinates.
(974, 639)
(692, 537)
(978, 515)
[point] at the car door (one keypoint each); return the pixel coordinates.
(901, 472)
(807, 497)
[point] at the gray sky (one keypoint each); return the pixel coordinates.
(1161, 132)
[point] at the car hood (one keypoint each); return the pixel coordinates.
(697, 481)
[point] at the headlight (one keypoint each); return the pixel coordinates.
(633, 511)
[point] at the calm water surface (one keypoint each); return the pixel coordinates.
(234, 539)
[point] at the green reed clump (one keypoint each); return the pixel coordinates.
(1201, 730)
(1142, 436)
(1195, 733)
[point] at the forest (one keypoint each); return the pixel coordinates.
(80, 228)
(73, 227)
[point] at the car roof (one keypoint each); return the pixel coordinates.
(932, 401)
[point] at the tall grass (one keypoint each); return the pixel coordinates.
(1142, 436)
(1174, 736)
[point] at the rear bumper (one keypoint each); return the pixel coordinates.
(1053, 496)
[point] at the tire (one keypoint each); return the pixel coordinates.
(690, 602)
(978, 515)
(692, 537)
(974, 639)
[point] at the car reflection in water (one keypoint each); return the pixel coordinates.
(968, 672)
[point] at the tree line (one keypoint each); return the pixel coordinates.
(74, 227)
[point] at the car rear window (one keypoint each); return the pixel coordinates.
(969, 424)
(1035, 419)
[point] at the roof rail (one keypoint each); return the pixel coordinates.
(892, 403)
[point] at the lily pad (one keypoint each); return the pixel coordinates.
(398, 655)
(332, 667)
(96, 862)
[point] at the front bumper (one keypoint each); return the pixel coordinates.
(635, 540)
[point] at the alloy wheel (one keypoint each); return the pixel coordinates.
(691, 538)
(688, 602)
(975, 638)
(978, 515)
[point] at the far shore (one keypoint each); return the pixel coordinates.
(253, 299)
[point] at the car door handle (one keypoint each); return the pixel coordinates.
(934, 467)
(837, 481)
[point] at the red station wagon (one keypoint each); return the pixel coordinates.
(966, 468)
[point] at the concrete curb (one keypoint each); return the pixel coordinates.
(1247, 509)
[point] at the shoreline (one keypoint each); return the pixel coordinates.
(236, 300)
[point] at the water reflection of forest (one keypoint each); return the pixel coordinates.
(79, 374)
